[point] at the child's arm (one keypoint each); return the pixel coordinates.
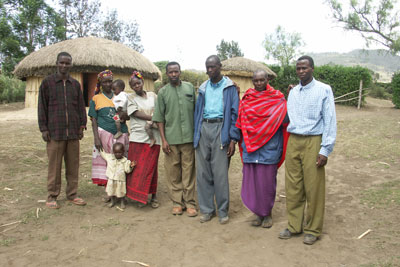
(128, 166)
(104, 155)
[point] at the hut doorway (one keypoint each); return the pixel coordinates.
(89, 84)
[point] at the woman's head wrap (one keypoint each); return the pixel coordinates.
(100, 77)
(136, 74)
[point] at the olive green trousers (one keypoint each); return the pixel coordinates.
(304, 184)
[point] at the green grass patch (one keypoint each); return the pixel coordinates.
(7, 242)
(382, 195)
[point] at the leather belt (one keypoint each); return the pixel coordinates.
(213, 120)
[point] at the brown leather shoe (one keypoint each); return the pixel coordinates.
(191, 212)
(177, 211)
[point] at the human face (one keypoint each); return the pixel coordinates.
(118, 152)
(304, 71)
(173, 73)
(106, 84)
(116, 89)
(213, 69)
(137, 85)
(64, 64)
(260, 81)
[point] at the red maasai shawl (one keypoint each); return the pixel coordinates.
(260, 116)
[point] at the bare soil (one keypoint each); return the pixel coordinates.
(363, 184)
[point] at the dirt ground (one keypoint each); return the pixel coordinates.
(363, 192)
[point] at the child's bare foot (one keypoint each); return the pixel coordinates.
(122, 204)
(117, 135)
(152, 142)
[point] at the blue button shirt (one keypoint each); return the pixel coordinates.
(214, 107)
(311, 111)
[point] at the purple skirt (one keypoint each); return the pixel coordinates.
(259, 187)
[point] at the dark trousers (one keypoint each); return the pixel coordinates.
(56, 151)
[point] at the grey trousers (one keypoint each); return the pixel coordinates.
(212, 171)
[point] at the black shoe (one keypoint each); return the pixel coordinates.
(286, 234)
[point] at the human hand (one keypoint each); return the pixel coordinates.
(231, 149)
(133, 163)
(97, 144)
(321, 160)
(80, 134)
(46, 136)
(165, 147)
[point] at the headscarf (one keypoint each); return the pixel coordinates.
(136, 74)
(100, 77)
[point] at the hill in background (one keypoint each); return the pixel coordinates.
(379, 61)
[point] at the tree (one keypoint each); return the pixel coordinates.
(121, 31)
(81, 17)
(282, 46)
(227, 50)
(376, 23)
(25, 26)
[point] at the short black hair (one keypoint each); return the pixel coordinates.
(216, 58)
(118, 144)
(119, 83)
(310, 60)
(172, 63)
(63, 54)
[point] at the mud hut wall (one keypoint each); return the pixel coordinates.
(243, 82)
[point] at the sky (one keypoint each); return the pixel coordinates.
(189, 31)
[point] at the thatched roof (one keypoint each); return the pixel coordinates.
(89, 54)
(240, 66)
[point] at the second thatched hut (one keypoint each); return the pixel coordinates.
(90, 55)
(240, 70)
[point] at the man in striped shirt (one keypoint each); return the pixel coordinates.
(312, 129)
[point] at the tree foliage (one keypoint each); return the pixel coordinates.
(282, 46)
(227, 50)
(121, 31)
(26, 25)
(376, 23)
(396, 89)
(81, 17)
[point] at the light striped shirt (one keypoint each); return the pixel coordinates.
(311, 111)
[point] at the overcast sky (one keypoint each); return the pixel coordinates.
(188, 31)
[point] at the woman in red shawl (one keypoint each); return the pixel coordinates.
(262, 112)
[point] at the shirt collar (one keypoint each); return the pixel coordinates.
(309, 85)
(58, 78)
(218, 84)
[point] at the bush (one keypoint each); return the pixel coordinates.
(342, 79)
(379, 90)
(11, 89)
(396, 89)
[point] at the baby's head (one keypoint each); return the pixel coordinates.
(118, 86)
(118, 150)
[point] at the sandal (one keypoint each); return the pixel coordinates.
(77, 201)
(52, 204)
(154, 203)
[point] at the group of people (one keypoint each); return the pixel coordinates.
(198, 134)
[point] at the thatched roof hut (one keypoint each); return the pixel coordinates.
(90, 55)
(240, 70)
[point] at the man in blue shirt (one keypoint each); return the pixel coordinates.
(215, 136)
(312, 129)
